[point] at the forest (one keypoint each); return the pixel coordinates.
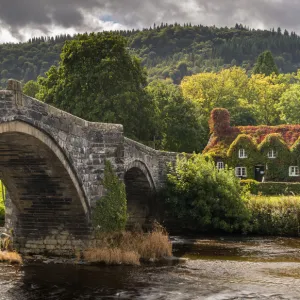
(167, 51)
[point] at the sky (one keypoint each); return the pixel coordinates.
(21, 20)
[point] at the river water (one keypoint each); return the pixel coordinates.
(216, 268)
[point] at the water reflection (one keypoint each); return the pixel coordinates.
(221, 268)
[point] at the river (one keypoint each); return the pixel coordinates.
(217, 268)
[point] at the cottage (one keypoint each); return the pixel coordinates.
(263, 153)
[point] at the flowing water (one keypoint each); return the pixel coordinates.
(216, 268)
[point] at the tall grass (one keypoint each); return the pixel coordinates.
(129, 247)
(275, 215)
(11, 257)
(2, 206)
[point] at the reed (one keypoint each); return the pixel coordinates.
(11, 257)
(129, 247)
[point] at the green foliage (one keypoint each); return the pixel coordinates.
(110, 213)
(265, 64)
(289, 105)
(168, 51)
(272, 188)
(31, 88)
(205, 199)
(98, 80)
(277, 168)
(275, 215)
(244, 141)
(178, 125)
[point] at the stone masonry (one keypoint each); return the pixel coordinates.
(52, 164)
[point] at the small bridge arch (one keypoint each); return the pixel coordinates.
(140, 192)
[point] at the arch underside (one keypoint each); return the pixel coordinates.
(140, 193)
(41, 189)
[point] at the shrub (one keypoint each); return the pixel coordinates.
(278, 215)
(272, 188)
(203, 198)
(110, 213)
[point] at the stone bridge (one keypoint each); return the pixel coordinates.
(52, 164)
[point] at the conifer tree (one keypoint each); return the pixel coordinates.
(265, 64)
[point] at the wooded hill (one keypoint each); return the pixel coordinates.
(168, 51)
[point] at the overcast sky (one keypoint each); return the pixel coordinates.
(20, 20)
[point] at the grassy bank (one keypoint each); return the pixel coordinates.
(275, 215)
(128, 248)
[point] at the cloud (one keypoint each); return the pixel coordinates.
(20, 19)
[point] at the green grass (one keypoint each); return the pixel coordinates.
(275, 215)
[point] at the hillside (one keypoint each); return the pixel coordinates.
(168, 51)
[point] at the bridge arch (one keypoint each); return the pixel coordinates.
(42, 185)
(140, 192)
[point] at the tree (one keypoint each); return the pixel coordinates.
(203, 198)
(98, 80)
(110, 213)
(228, 89)
(31, 88)
(289, 105)
(266, 92)
(265, 64)
(178, 126)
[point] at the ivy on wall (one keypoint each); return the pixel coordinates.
(257, 141)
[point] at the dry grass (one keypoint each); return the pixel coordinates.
(112, 256)
(129, 247)
(11, 257)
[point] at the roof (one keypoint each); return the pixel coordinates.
(221, 140)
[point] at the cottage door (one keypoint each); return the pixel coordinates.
(259, 173)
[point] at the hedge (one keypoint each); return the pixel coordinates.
(272, 188)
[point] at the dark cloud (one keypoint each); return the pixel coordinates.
(83, 15)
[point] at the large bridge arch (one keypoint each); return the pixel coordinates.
(43, 187)
(140, 192)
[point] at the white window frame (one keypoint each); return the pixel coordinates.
(242, 153)
(272, 153)
(220, 165)
(241, 172)
(294, 171)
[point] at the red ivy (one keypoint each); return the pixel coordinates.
(219, 124)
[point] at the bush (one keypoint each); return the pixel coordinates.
(110, 213)
(275, 215)
(203, 198)
(272, 188)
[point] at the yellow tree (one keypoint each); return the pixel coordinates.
(266, 92)
(228, 89)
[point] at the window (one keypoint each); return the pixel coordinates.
(220, 165)
(241, 172)
(294, 171)
(242, 153)
(272, 153)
